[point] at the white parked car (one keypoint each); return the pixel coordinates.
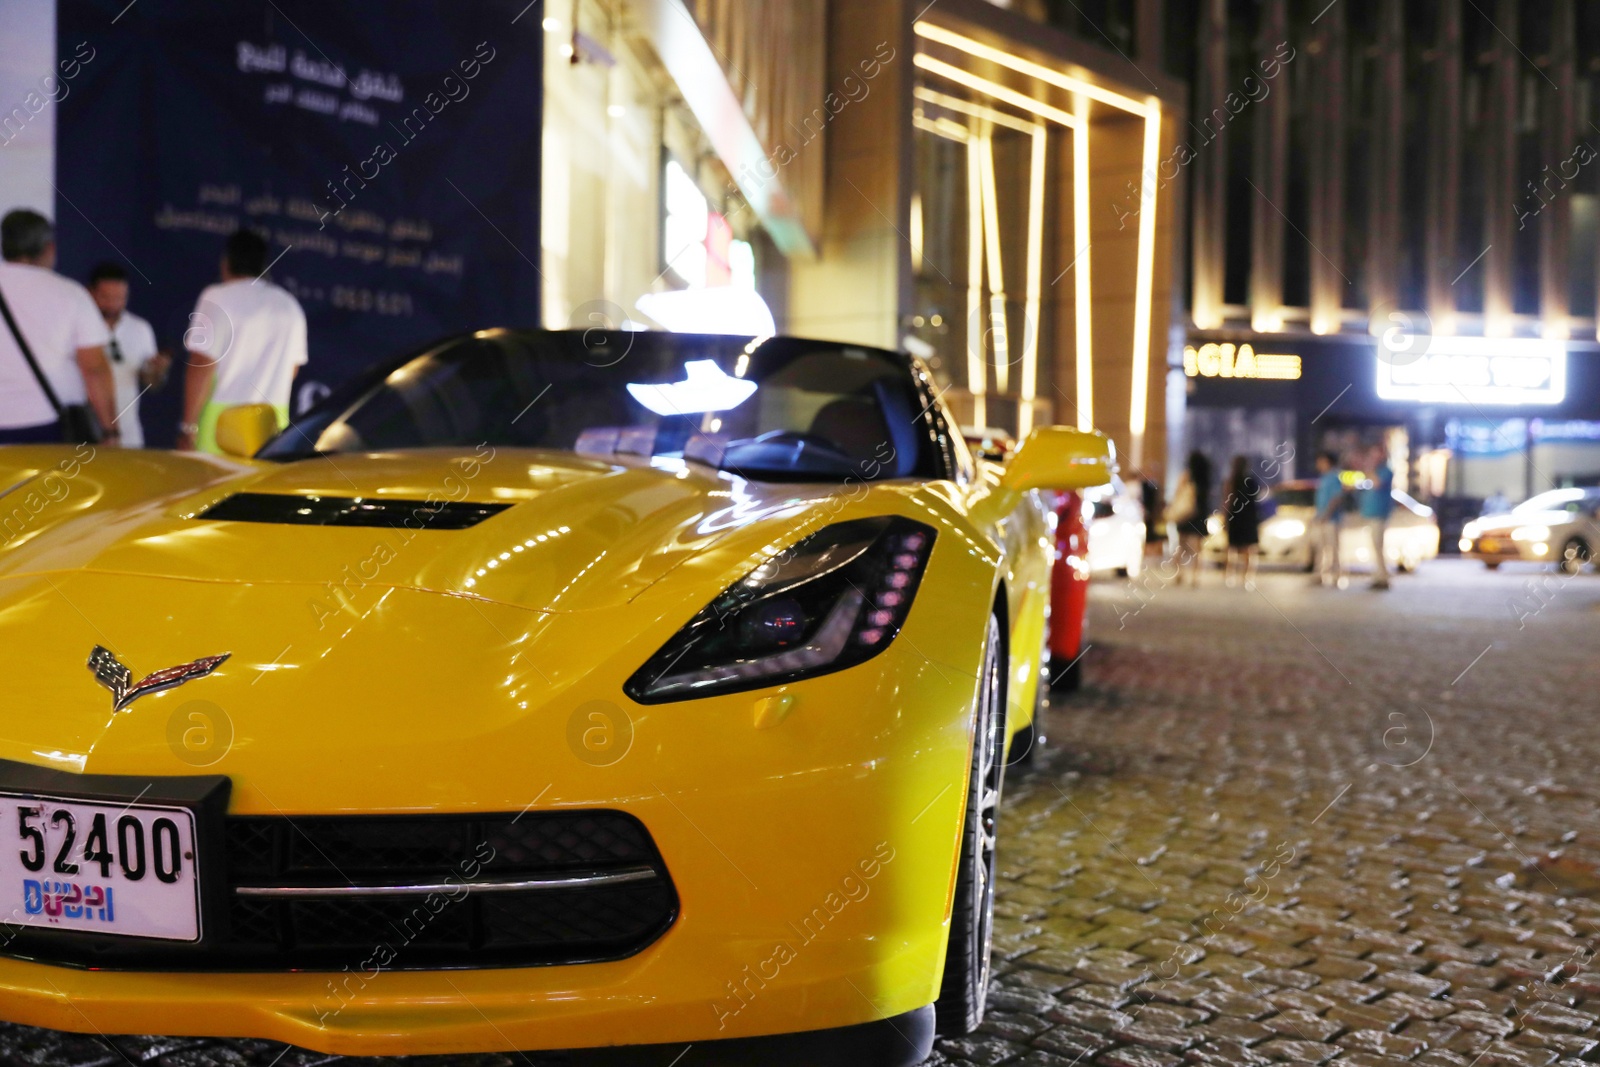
(1556, 527)
(1287, 511)
(1115, 517)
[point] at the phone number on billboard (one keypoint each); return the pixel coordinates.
(353, 299)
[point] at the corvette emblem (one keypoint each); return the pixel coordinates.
(111, 673)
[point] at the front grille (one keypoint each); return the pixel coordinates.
(628, 905)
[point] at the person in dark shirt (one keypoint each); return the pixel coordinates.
(1188, 511)
(1242, 516)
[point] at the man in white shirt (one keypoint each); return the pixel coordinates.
(246, 340)
(136, 365)
(63, 330)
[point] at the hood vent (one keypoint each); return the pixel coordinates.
(384, 512)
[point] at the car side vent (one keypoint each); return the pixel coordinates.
(349, 511)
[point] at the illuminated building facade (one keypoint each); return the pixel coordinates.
(939, 178)
(1404, 196)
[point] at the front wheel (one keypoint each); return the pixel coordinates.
(1574, 556)
(965, 988)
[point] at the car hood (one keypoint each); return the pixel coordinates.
(1504, 524)
(383, 671)
(578, 533)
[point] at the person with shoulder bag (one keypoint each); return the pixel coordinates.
(1187, 512)
(55, 382)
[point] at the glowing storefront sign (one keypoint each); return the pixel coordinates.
(1212, 360)
(1478, 370)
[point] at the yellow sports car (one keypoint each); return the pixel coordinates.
(545, 690)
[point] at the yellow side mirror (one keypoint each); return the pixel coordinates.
(244, 428)
(1052, 457)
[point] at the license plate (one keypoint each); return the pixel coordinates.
(99, 869)
(1489, 544)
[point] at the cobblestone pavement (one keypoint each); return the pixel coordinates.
(1287, 825)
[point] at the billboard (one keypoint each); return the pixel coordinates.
(389, 152)
(1476, 370)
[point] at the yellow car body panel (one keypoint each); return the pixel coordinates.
(378, 671)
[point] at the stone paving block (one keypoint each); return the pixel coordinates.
(1340, 989)
(1153, 1035)
(1481, 1022)
(1135, 1056)
(1013, 1026)
(1302, 1026)
(1546, 1016)
(1233, 1004)
(1418, 985)
(1174, 991)
(1380, 1043)
(1432, 1034)
(1074, 1042)
(1501, 1054)
(1089, 1017)
(1568, 1045)
(1338, 966)
(1419, 1008)
(1309, 1001)
(1298, 1051)
(1440, 1058)
(1225, 1054)
(1378, 1015)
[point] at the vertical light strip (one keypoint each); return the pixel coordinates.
(997, 277)
(1138, 408)
(977, 374)
(916, 232)
(1035, 283)
(1080, 261)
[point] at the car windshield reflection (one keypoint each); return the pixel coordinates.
(772, 409)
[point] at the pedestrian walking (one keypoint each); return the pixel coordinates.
(1242, 517)
(1150, 500)
(1330, 501)
(1377, 504)
(136, 364)
(1187, 513)
(55, 385)
(246, 341)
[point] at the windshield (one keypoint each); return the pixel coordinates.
(1555, 500)
(781, 409)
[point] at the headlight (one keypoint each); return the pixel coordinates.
(1287, 528)
(1465, 544)
(834, 599)
(1213, 525)
(1531, 533)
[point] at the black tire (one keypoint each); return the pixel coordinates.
(1121, 572)
(965, 987)
(1491, 564)
(1574, 556)
(1023, 747)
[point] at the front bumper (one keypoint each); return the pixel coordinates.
(1502, 549)
(814, 895)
